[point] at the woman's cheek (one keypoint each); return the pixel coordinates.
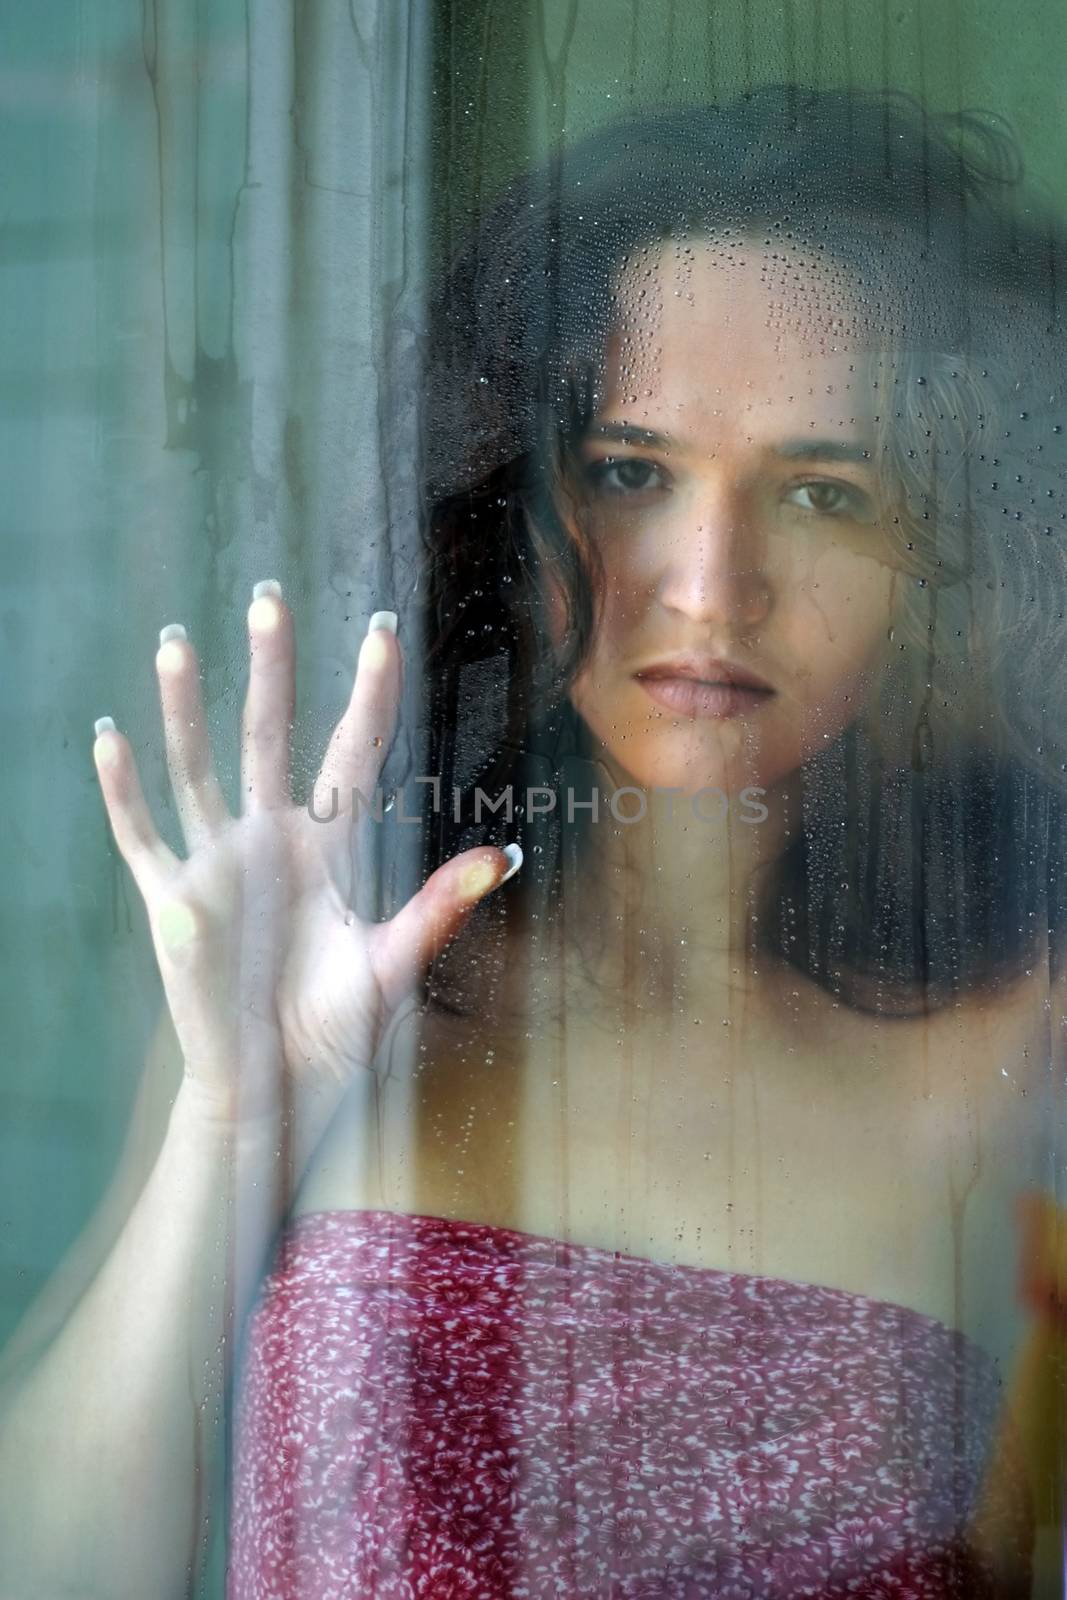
(851, 614)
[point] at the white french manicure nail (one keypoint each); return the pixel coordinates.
(514, 855)
(104, 725)
(383, 619)
(266, 586)
(173, 630)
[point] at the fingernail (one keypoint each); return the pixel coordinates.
(477, 879)
(383, 619)
(263, 614)
(168, 657)
(265, 587)
(514, 855)
(374, 652)
(107, 754)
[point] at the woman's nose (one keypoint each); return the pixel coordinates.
(716, 567)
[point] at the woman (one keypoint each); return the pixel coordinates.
(647, 1225)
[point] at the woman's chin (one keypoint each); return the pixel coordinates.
(688, 780)
(686, 761)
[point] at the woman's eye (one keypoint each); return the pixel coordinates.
(833, 499)
(624, 475)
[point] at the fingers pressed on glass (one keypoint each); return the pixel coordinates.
(151, 861)
(360, 742)
(421, 929)
(268, 709)
(197, 794)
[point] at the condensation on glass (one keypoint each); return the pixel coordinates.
(673, 397)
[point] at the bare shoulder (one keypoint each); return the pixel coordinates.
(1029, 1014)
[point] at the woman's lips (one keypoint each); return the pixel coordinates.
(689, 697)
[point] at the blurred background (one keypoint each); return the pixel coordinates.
(218, 216)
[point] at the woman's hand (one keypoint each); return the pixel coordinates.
(278, 993)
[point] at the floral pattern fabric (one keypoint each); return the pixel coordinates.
(444, 1409)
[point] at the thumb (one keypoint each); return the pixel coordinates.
(433, 917)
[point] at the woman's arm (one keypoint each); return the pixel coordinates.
(279, 994)
(108, 1440)
(57, 1298)
(1029, 1453)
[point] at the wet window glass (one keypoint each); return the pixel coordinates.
(536, 802)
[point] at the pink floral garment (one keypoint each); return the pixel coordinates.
(445, 1409)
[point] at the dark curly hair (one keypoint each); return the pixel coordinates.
(930, 857)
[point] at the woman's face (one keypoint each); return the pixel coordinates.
(726, 480)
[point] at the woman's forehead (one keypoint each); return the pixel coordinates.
(703, 330)
(779, 305)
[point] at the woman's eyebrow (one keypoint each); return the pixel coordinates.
(627, 433)
(824, 450)
(792, 449)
